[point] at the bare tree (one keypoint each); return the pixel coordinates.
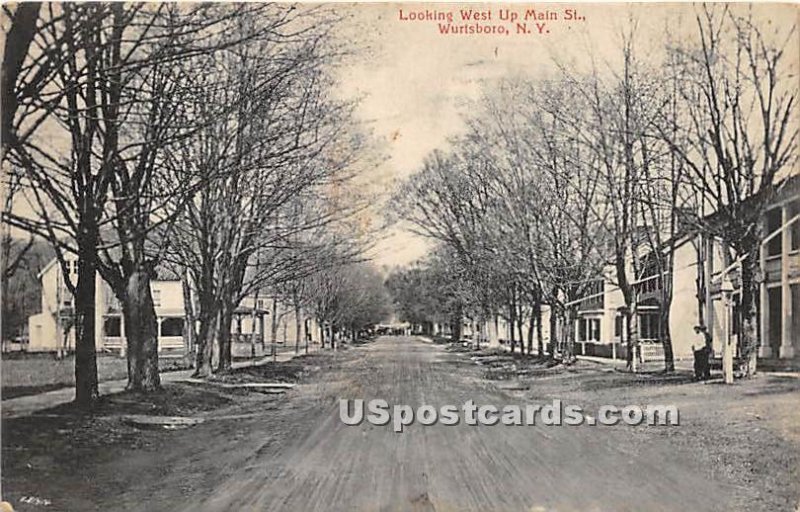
(284, 143)
(740, 92)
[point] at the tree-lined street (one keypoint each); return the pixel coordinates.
(220, 220)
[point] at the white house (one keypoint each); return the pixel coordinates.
(699, 265)
(600, 327)
(53, 330)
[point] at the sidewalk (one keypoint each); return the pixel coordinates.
(31, 404)
(680, 364)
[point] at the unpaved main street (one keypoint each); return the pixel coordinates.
(295, 454)
(339, 467)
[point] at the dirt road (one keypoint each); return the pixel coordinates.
(338, 467)
(268, 453)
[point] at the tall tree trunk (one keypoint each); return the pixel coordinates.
(457, 323)
(273, 335)
(664, 328)
(748, 335)
(632, 342)
(306, 332)
(189, 332)
(86, 391)
(298, 328)
(699, 245)
(539, 334)
(530, 329)
(571, 314)
(551, 348)
(141, 327)
(666, 343)
(205, 339)
(21, 34)
(224, 337)
(512, 317)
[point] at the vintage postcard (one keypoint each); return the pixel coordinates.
(534, 257)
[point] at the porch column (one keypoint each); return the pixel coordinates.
(726, 287)
(764, 349)
(576, 331)
(786, 350)
(709, 274)
(158, 333)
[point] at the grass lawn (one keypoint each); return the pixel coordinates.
(38, 373)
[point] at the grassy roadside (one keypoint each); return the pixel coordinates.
(41, 373)
(748, 433)
(52, 455)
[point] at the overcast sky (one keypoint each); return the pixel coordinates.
(417, 84)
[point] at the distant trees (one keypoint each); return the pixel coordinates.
(515, 206)
(431, 291)
(345, 299)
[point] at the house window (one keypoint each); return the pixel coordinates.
(774, 218)
(71, 267)
(794, 227)
(618, 326)
(649, 326)
(112, 327)
(775, 305)
(589, 329)
(594, 329)
(157, 298)
(172, 327)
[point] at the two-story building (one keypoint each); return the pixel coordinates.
(53, 328)
(699, 263)
(780, 290)
(601, 327)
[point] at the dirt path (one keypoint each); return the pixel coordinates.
(331, 466)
